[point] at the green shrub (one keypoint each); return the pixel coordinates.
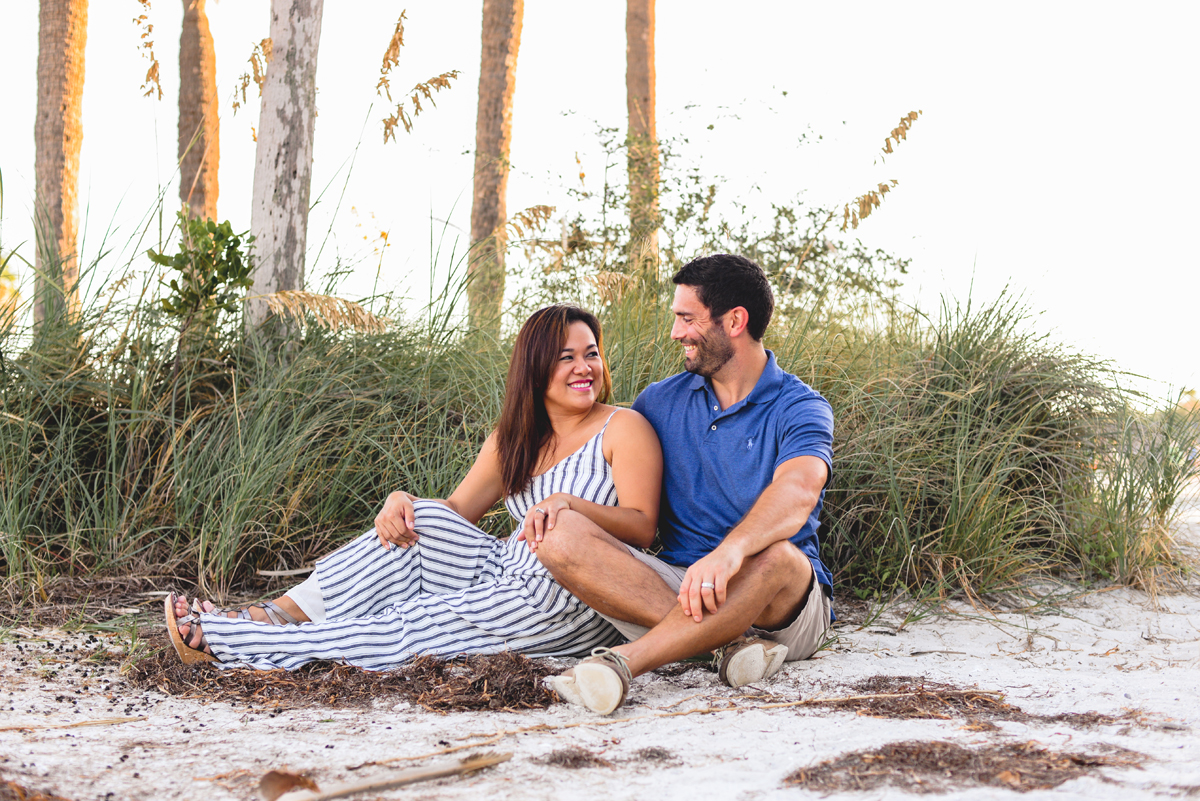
(970, 453)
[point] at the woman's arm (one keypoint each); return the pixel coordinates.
(633, 450)
(473, 496)
(482, 486)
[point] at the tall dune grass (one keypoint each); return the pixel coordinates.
(971, 453)
(116, 457)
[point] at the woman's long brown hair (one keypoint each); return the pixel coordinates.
(524, 427)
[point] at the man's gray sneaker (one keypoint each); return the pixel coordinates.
(748, 661)
(599, 682)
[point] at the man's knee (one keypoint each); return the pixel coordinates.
(569, 541)
(783, 560)
(788, 574)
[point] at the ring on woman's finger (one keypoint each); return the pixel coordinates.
(540, 511)
(707, 585)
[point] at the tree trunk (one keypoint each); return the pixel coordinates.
(493, 139)
(58, 138)
(283, 163)
(643, 135)
(199, 126)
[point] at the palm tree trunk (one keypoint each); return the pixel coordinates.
(199, 126)
(643, 136)
(283, 162)
(493, 139)
(58, 138)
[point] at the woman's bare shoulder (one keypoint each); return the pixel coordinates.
(490, 445)
(629, 427)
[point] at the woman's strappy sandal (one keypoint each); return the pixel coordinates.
(187, 654)
(275, 615)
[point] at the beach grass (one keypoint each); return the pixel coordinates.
(972, 454)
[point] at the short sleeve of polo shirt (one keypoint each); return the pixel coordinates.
(639, 403)
(806, 429)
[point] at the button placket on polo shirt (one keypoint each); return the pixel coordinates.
(716, 414)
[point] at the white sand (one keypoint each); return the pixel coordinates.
(1106, 652)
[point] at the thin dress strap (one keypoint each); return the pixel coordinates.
(584, 474)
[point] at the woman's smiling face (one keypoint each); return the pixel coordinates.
(573, 382)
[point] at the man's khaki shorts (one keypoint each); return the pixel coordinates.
(802, 638)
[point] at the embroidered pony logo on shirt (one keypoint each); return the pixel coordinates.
(750, 443)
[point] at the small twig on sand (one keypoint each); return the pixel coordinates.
(438, 771)
(710, 710)
(886, 695)
(75, 725)
(681, 700)
(233, 774)
(491, 738)
(450, 750)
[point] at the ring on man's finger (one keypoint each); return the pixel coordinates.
(540, 510)
(707, 585)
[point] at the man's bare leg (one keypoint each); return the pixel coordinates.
(767, 592)
(599, 570)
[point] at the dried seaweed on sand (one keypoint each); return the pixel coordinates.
(654, 753)
(915, 697)
(499, 682)
(938, 767)
(573, 757)
(11, 791)
(901, 697)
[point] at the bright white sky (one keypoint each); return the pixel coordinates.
(1056, 154)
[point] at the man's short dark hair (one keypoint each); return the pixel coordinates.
(725, 281)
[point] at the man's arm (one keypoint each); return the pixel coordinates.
(780, 511)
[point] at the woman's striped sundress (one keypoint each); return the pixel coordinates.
(457, 591)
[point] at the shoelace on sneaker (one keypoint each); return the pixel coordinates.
(719, 653)
(618, 660)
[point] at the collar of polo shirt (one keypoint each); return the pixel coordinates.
(768, 386)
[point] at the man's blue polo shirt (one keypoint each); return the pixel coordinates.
(716, 463)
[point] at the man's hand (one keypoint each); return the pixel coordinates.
(541, 518)
(394, 523)
(706, 581)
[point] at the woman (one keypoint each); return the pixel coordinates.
(426, 579)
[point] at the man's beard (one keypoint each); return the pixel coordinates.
(711, 354)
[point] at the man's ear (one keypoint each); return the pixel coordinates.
(736, 320)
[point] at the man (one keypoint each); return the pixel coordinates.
(747, 452)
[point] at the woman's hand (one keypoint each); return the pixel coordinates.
(542, 517)
(394, 523)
